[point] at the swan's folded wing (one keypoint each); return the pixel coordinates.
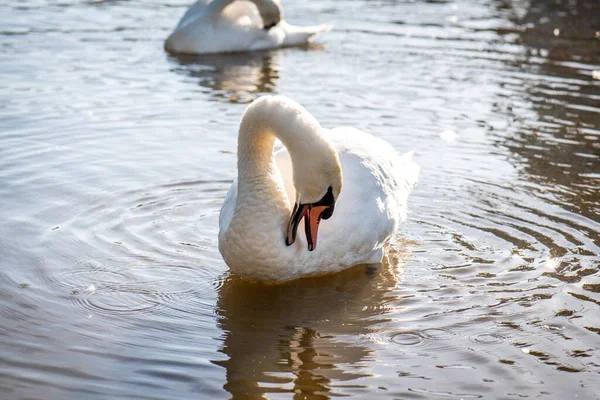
(228, 207)
(243, 12)
(284, 165)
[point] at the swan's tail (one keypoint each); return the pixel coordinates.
(296, 35)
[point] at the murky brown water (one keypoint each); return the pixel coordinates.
(115, 158)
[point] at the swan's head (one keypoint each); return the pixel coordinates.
(318, 183)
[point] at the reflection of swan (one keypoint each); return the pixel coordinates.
(255, 213)
(290, 336)
(235, 76)
(222, 26)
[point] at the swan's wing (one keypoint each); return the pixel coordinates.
(260, 13)
(375, 189)
(395, 174)
(228, 208)
(284, 165)
(220, 26)
(243, 13)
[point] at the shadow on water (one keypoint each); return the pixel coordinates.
(290, 337)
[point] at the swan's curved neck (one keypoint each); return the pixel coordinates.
(265, 120)
(257, 230)
(258, 227)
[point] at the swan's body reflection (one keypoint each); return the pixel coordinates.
(235, 77)
(289, 337)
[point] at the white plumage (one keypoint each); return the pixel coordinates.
(369, 206)
(223, 26)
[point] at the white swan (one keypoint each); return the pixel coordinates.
(258, 226)
(223, 26)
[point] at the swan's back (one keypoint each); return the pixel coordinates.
(242, 12)
(205, 28)
(376, 184)
(368, 163)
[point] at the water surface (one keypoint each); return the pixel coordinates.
(115, 158)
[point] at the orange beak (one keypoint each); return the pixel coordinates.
(313, 214)
(312, 219)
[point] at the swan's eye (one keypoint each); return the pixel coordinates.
(327, 201)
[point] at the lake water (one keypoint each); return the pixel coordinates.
(115, 158)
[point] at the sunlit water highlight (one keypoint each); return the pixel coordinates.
(115, 158)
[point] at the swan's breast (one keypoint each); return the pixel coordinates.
(252, 233)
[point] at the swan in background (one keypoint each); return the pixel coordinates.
(223, 26)
(348, 189)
